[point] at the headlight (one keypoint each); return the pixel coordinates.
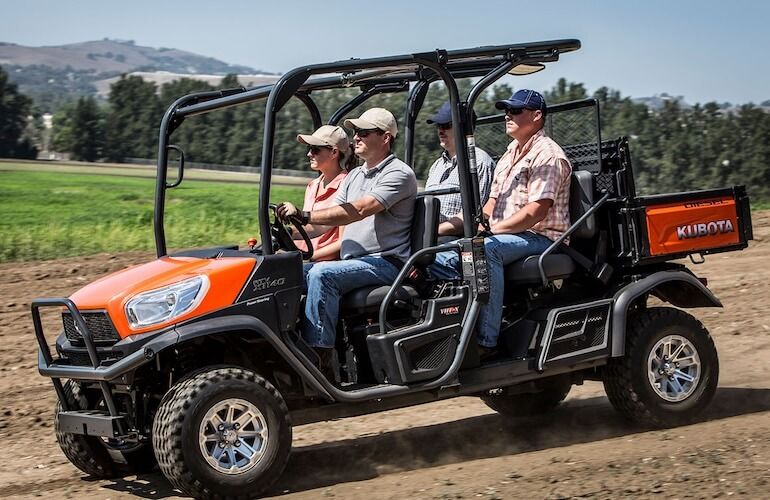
(167, 303)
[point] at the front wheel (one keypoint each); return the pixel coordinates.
(223, 432)
(670, 371)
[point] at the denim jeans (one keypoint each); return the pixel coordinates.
(501, 249)
(327, 282)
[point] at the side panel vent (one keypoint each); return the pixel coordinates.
(576, 331)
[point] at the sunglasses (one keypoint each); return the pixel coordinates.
(444, 126)
(363, 132)
(514, 111)
(317, 149)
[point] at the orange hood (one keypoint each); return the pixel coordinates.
(111, 293)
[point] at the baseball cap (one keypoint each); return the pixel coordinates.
(444, 115)
(379, 118)
(328, 135)
(527, 99)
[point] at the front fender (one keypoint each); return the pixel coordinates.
(244, 322)
(679, 288)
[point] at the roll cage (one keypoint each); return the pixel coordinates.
(412, 73)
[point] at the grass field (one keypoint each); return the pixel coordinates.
(46, 215)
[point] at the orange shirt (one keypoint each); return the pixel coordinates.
(317, 198)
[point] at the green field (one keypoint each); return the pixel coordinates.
(45, 215)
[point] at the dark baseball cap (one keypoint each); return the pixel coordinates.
(444, 115)
(526, 99)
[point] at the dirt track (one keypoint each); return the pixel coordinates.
(451, 449)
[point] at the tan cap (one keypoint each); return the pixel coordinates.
(375, 118)
(328, 135)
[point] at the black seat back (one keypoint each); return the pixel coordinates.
(425, 226)
(581, 198)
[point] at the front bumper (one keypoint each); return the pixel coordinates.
(137, 352)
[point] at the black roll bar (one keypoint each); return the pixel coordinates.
(566, 234)
(311, 107)
(397, 70)
(413, 104)
(369, 91)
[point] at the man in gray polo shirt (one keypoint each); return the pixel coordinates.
(375, 206)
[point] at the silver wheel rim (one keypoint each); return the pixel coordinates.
(233, 436)
(674, 368)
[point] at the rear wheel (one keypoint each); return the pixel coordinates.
(528, 404)
(223, 432)
(670, 371)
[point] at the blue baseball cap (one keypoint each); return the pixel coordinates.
(526, 99)
(444, 115)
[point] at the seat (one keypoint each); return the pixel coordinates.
(556, 267)
(424, 234)
(559, 265)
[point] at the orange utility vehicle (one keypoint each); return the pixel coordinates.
(195, 361)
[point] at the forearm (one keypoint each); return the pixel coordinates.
(346, 213)
(452, 226)
(312, 230)
(529, 215)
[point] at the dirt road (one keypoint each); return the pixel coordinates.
(451, 449)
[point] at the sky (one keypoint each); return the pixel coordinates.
(703, 50)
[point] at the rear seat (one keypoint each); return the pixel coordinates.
(558, 266)
(424, 234)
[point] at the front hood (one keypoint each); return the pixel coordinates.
(226, 277)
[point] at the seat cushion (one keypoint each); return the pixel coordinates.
(370, 297)
(556, 266)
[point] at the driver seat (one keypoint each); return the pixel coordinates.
(424, 234)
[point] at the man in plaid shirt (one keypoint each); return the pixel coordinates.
(443, 172)
(528, 206)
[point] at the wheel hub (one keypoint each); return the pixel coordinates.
(674, 368)
(233, 436)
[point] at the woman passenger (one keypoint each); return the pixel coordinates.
(330, 154)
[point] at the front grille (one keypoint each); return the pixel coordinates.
(77, 358)
(98, 323)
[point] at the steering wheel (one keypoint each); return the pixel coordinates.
(281, 237)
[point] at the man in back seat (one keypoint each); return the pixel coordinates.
(443, 173)
(528, 205)
(375, 204)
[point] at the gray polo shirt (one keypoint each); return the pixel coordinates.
(387, 233)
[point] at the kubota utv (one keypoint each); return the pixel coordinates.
(195, 361)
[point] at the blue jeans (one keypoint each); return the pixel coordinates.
(327, 282)
(501, 249)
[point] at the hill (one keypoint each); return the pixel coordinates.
(52, 75)
(114, 56)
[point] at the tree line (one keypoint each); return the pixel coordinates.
(674, 148)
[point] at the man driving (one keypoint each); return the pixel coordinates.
(375, 204)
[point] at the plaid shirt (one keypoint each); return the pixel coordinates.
(539, 170)
(443, 174)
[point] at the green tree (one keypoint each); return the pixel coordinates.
(14, 109)
(133, 119)
(565, 91)
(86, 130)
